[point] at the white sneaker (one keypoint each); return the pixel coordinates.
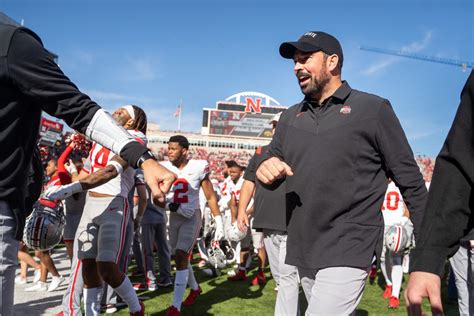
(37, 275)
(110, 309)
(38, 287)
(276, 288)
(231, 273)
(55, 283)
(152, 286)
(20, 280)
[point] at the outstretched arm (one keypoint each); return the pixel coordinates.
(64, 176)
(36, 74)
(104, 175)
(93, 180)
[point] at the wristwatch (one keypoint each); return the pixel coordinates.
(147, 155)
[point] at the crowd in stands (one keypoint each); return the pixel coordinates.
(426, 165)
(216, 157)
(53, 152)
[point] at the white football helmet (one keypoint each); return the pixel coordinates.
(44, 227)
(396, 239)
(234, 233)
(216, 255)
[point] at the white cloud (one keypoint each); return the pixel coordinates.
(139, 69)
(418, 46)
(84, 57)
(379, 66)
(390, 60)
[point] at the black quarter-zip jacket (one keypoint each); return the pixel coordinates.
(449, 217)
(341, 153)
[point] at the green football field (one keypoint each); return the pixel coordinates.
(221, 297)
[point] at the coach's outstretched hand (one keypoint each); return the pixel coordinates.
(420, 285)
(272, 169)
(158, 178)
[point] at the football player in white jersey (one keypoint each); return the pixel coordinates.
(254, 237)
(225, 188)
(101, 232)
(185, 216)
(396, 214)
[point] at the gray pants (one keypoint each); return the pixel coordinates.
(137, 252)
(286, 276)
(109, 296)
(156, 233)
(463, 268)
(334, 290)
(8, 258)
(72, 297)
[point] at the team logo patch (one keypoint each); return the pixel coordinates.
(346, 109)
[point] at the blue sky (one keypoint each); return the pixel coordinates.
(155, 53)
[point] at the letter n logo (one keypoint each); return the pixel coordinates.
(253, 106)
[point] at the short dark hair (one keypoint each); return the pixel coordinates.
(229, 163)
(233, 164)
(181, 140)
(140, 121)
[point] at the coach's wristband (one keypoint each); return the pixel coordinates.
(147, 155)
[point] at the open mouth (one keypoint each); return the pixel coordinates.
(303, 79)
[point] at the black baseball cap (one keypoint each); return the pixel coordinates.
(313, 41)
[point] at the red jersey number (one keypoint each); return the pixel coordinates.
(393, 199)
(101, 158)
(236, 195)
(180, 191)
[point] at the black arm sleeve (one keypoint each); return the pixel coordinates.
(32, 68)
(400, 163)
(448, 216)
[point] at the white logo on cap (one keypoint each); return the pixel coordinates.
(312, 34)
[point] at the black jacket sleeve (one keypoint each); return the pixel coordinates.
(448, 216)
(399, 163)
(32, 69)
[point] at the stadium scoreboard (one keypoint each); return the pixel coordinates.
(245, 114)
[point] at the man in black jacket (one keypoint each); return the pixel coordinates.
(448, 225)
(30, 82)
(270, 216)
(337, 148)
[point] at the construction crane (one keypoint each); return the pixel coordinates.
(448, 61)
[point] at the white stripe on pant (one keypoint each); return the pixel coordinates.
(8, 258)
(334, 290)
(285, 275)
